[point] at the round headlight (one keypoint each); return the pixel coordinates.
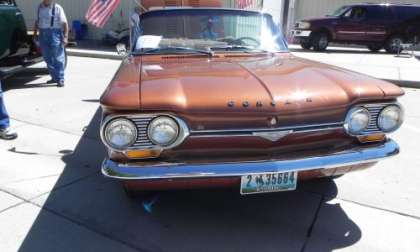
(390, 118)
(357, 120)
(163, 131)
(120, 133)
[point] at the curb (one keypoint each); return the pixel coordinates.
(94, 54)
(406, 84)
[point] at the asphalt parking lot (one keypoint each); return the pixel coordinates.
(54, 198)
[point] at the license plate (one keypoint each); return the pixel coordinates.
(270, 182)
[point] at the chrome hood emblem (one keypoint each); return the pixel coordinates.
(273, 136)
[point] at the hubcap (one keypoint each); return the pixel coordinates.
(323, 41)
(396, 43)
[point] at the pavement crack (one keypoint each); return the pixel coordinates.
(12, 206)
(64, 186)
(381, 209)
(311, 227)
(31, 179)
(15, 205)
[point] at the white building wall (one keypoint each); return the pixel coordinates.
(275, 8)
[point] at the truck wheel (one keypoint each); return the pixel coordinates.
(374, 47)
(320, 41)
(394, 44)
(306, 45)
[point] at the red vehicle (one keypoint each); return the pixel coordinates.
(375, 25)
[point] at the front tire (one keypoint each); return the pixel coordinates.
(306, 45)
(394, 44)
(374, 47)
(320, 41)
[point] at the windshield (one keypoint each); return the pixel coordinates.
(203, 30)
(340, 11)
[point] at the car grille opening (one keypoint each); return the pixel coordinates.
(143, 141)
(374, 110)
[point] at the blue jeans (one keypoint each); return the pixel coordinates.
(4, 117)
(52, 49)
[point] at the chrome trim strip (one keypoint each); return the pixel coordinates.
(143, 171)
(312, 127)
(255, 133)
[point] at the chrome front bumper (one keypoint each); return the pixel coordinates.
(301, 33)
(355, 156)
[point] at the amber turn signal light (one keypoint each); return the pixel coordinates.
(143, 153)
(372, 138)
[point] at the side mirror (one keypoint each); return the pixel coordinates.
(121, 49)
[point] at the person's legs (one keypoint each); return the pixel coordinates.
(4, 116)
(46, 48)
(58, 55)
(59, 63)
(5, 131)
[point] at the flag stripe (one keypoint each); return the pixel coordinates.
(244, 3)
(100, 11)
(107, 13)
(100, 8)
(104, 16)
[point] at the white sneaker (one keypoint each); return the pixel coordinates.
(8, 134)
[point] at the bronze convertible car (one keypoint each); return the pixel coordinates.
(212, 98)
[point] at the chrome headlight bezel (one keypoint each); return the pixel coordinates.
(169, 121)
(350, 115)
(399, 122)
(138, 120)
(106, 137)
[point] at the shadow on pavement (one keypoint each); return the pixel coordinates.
(220, 220)
(26, 79)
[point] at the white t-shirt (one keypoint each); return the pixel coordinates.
(44, 14)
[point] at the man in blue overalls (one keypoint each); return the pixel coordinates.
(53, 36)
(5, 132)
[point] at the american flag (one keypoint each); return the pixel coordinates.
(100, 11)
(242, 4)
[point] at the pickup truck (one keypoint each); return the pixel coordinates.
(17, 49)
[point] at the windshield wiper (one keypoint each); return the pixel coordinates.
(179, 49)
(247, 49)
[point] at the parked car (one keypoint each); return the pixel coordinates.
(17, 49)
(376, 26)
(213, 97)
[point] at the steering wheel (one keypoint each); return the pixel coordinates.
(241, 41)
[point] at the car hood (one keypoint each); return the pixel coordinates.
(289, 82)
(281, 85)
